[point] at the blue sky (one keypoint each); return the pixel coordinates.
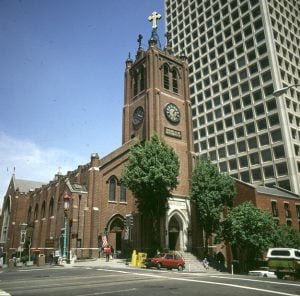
(61, 80)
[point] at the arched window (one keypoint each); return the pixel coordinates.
(36, 209)
(122, 193)
(112, 189)
(43, 210)
(51, 206)
(166, 77)
(29, 214)
(135, 83)
(142, 79)
(5, 219)
(174, 81)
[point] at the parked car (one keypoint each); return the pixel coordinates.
(166, 260)
(263, 272)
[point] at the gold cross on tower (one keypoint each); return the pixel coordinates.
(153, 18)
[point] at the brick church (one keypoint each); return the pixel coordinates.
(156, 100)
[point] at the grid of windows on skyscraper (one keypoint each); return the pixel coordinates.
(239, 52)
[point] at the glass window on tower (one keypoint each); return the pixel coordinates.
(222, 152)
(276, 135)
(279, 152)
(245, 176)
(262, 124)
(252, 143)
(282, 169)
(243, 161)
(273, 119)
(254, 158)
(256, 174)
(241, 146)
(232, 164)
(266, 155)
(264, 139)
(269, 171)
(285, 184)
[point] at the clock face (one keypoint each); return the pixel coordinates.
(172, 113)
(138, 116)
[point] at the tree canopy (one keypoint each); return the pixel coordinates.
(287, 237)
(249, 230)
(211, 191)
(151, 174)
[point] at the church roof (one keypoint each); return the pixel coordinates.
(26, 185)
(274, 191)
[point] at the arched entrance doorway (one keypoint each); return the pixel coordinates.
(174, 230)
(115, 229)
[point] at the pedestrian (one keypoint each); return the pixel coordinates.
(112, 252)
(51, 259)
(107, 251)
(205, 263)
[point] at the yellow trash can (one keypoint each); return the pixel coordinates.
(134, 258)
(141, 259)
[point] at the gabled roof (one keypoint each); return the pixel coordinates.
(76, 188)
(276, 191)
(26, 185)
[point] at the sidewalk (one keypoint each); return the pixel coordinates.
(97, 262)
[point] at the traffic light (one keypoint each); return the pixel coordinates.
(129, 220)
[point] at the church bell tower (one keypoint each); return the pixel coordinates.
(156, 100)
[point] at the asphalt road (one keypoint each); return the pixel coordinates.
(93, 281)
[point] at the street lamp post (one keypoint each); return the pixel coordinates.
(277, 93)
(29, 262)
(66, 211)
(23, 227)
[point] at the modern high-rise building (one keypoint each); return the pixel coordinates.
(239, 53)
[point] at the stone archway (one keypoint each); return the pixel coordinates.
(115, 229)
(174, 231)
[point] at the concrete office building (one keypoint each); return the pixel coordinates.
(239, 53)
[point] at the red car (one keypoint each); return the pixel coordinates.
(166, 260)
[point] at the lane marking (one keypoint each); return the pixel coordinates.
(203, 282)
(3, 293)
(253, 280)
(37, 269)
(108, 292)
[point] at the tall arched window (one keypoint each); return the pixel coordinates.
(112, 189)
(122, 193)
(36, 210)
(5, 219)
(142, 79)
(43, 210)
(174, 81)
(51, 206)
(166, 77)
(135, 83)
(29, 214)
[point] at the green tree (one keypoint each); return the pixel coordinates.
(151, 174)
(249, 230)
(287, 237)
(211, 191)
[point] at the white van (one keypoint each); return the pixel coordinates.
(284, 261)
